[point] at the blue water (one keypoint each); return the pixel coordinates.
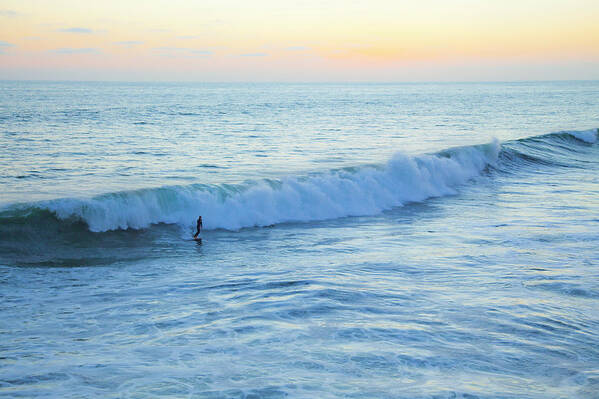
(361, 240)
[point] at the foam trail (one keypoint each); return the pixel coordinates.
(348, 192)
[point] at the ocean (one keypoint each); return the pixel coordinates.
(422, 240)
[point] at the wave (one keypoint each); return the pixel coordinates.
(562, 149)
(363, 190)
(588, 136)
(356, 191)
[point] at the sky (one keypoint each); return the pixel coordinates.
(299, 41)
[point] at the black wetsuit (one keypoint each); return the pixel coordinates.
(199, 226)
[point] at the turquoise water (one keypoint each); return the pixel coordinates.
(388, 240)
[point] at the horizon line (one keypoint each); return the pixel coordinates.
(299, 82)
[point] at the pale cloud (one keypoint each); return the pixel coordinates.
(129, 43)
(76, 30)
(184, 51)
(189, 37)
(70, 50)
(4, 45)
(254, 55)
(297, 48)
(9, 13)
(170, 49)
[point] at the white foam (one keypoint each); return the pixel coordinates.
(365, 191)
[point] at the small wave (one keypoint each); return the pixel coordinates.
(588, 136)
(552, 150)
(565, 288)
(182, 113)
(211, 166)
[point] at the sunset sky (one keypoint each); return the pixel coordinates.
(303, 40)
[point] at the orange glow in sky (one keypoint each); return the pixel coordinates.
(303, 40)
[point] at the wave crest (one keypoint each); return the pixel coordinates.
(365, 190)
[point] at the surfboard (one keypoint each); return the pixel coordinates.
(198, 239)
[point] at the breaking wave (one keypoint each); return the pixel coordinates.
(364, 190)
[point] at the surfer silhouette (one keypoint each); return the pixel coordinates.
(199, 226)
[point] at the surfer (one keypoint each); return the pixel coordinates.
(199, 226)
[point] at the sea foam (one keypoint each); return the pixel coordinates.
(364, 190)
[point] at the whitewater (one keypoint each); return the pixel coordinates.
(330, 195)
(360, 240)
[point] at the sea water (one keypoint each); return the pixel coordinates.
(433, 240)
